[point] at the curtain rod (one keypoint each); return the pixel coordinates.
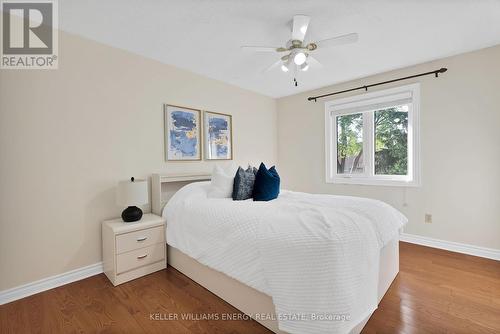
(435, 72)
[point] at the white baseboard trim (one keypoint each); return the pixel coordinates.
(18, 292)
(7, 296)
(452, 246)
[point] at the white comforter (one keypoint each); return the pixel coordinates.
(317, 256)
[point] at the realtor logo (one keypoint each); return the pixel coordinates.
(29, 34)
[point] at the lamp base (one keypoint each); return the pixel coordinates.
(131, 214)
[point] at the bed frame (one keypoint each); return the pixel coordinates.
(241, 296)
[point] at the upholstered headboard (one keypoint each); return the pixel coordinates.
(164, 186)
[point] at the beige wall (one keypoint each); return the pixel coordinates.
(67, 136)
(460, 145)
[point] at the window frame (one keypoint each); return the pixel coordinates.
(365, 104)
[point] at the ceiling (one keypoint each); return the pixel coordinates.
(205, 36)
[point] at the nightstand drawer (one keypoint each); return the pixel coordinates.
(140, 257)
(139, 239)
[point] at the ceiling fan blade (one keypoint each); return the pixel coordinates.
(339, 40)
(251, 48)
(273, 66)
(299, 27)
(313, 62)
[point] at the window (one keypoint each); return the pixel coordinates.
(373, 138)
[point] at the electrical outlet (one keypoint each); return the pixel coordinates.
(428, 218)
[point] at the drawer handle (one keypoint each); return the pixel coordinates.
(142, 256)
(141, 239)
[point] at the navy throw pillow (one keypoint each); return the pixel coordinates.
(267, 184)
(243, 183)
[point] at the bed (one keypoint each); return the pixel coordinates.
(302, 263)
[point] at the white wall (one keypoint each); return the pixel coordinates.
(68, 135)
(460, 145)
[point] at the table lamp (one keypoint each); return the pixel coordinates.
(132, 193)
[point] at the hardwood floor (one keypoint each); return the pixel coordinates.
(440, 292)
(435, 292)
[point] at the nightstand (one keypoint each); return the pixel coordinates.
(132, 250)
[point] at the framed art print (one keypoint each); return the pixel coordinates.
(182, 133)
(218, 136)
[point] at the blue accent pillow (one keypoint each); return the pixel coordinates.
(267, 184)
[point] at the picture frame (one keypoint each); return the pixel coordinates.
(183, 135)
(218, 136)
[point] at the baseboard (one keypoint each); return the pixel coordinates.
(29, 289)
(457, 247)
(44, 284)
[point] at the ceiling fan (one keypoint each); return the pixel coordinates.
(296, 53)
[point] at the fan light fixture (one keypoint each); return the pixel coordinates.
(297, 55)
(299, 58)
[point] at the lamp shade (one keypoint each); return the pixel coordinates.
(132, 192)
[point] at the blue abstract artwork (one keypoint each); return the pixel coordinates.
(218, 136)
(183, 133)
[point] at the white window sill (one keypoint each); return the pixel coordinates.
(373, 181)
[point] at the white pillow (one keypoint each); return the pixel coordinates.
(221, 185)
